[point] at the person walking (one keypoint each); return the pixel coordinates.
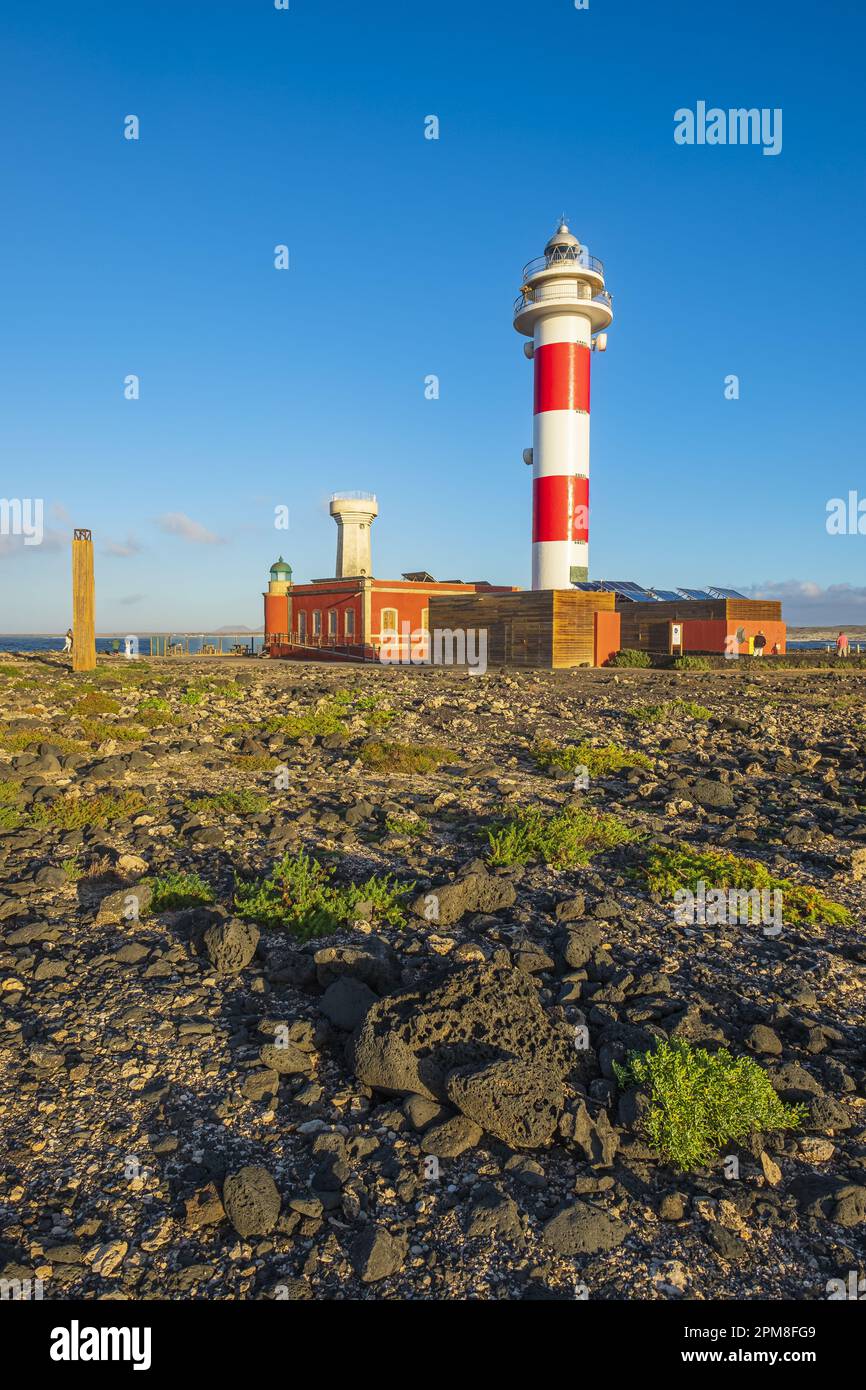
(760, 643)
(842, 644)
(67, 641)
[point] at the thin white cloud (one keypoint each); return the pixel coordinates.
(11, 546)
(804, 602)
(179, 524)
(122, 548)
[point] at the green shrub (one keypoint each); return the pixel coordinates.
(567, 839)
(700, 1102)
(671, 868)
(11, 818)
(97, 703)
(100, 731)
(328, 718)
(74, 813)
(254, 762)
(405, 757)
(409, 827)
(231, 803)
(300, 896)
(628, 657)
(72, 869)
(692, 663)
(155, 703)
(598, 761)
(155, 712)
(175, 890)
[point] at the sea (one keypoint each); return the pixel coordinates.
(41, 643)
(24, 642)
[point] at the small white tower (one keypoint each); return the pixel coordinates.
(354, 513)
(564, 308)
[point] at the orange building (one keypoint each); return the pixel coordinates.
(353, 614)
(352, 617)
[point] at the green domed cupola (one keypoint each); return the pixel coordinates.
(281, 572)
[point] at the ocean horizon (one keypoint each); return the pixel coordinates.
(50, 642)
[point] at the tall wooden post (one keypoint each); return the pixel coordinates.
(83, 625)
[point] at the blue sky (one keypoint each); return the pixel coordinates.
(261, 388)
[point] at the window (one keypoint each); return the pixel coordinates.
(349, 622)
(317, 622)
(388, 621)
(332, 622)
(302, 626)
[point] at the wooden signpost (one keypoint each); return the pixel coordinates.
(83, 623)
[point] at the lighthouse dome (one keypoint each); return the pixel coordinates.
(561, 239)
(280, 571)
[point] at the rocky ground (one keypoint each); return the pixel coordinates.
(195, 1107)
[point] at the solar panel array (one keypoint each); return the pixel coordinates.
(627, 589)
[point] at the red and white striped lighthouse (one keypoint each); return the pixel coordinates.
(564, 308)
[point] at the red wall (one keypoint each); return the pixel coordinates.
(325, 601)
(276, 614)
(709, 634)
(607, 638)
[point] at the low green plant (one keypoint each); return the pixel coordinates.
(567, 839)
(628, 657)
(254, 762)
(699, 1102)
(95, 702)
(11, 818)
(10, 791)
(20, 742)
(380, 756)
(669, 869)
(598, 761)
(243, 802)
(408, 827)
(100, 731)
(75, 812)
(228, 690)
(73, 869)
(152, 709)
(175, 890)
(691, 663)
(329, 718)
(300, 896)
